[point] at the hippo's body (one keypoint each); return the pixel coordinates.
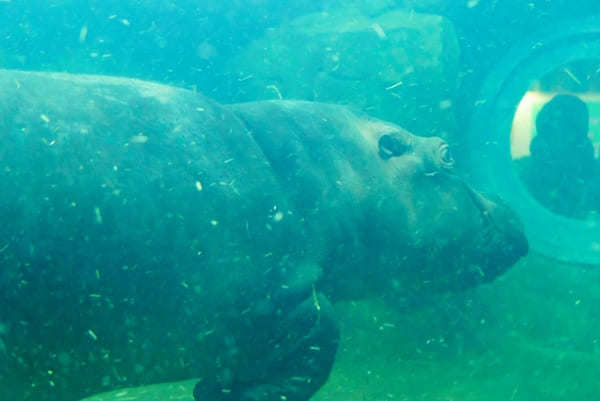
(149, 234)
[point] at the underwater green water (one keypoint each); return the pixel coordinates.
(533, 334)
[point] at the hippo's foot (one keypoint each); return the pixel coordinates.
(203, 391)
(301, 360)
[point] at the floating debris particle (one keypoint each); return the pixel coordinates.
(45, 118)
(92, 335)
(315, 299)
(140, 138)
(472, 3)
(112, 16)
(125, 22)
(198, 185)
(276, 89)
(227, 161)
(379, 31)
(97, 215)
(214, 222)
(572, 76)
(445, 104)
(393, 86)
(95, 296)
(98, 274)
(83, 33)
(200, 109)
(278, 216)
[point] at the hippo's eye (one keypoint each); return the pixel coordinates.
(391, 145)
(446, 155)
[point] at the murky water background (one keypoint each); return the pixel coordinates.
(532, 334)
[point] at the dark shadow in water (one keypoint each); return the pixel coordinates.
(562, 171)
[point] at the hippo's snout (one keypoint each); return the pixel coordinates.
(503, 241)
(479, 237)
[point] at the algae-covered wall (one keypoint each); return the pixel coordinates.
(396, 60)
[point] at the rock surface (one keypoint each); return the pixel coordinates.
(401, 66)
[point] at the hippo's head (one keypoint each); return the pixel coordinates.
(382, 200)
(457, 237)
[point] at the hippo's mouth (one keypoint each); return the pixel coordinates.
(502, 233)
(502, 241)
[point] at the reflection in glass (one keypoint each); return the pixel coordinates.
(555, 140)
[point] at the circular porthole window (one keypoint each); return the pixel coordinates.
(535, 139)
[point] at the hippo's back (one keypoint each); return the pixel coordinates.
(131, 212)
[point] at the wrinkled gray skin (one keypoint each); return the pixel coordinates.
(149, 234)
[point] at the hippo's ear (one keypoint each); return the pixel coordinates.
(392, 145)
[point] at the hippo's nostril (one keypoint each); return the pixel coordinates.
(445, 156)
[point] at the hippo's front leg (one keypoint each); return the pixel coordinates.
(300, 360)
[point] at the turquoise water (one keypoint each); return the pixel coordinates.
(71, 320)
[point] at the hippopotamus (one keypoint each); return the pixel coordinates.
(151, 234)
